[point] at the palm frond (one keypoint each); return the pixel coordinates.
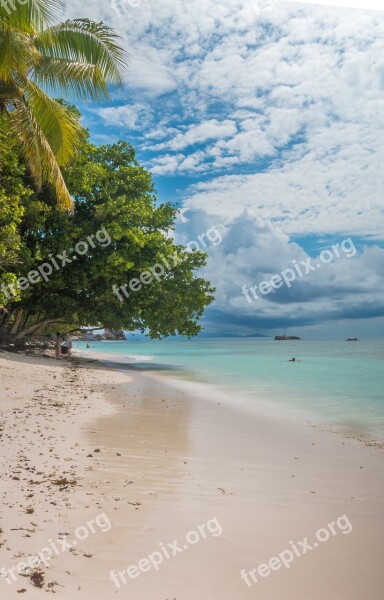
(22, 127)
(54, 175)
(61, 130)
(78, 79)
(4, 142)
(17, 52)
(83, 41)
(77, 57)
(39, 155)
(31, 16)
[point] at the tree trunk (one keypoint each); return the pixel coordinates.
(17, 321)
(5, 319)
(32, 329)
(24, 324)
(4, 316)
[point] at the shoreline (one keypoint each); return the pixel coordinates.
(168, 463)
(207, 391)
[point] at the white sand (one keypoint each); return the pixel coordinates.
(169, 463)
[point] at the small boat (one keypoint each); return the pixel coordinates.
(352, 340)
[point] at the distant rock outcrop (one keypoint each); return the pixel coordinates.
(286, 337)
(109, 334)
(113, 335)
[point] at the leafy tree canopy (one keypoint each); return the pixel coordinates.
(115, 202)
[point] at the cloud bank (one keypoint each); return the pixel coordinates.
(268, 117)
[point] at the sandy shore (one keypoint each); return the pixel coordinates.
(128, 468)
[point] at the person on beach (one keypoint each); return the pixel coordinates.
(58, 345)
(68, 344)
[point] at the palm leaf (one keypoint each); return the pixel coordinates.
(22, 127)
(77, 57)
(32, 16)
(61, 130)
(78, 79)
(4, 141)
(85, 42)
(38, 153)
(17, 52)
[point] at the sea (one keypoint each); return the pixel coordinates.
(334, 383)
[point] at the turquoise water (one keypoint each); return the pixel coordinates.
(336, 383)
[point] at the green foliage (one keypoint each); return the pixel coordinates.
(112, 191)
(13, 195)
(78, 58)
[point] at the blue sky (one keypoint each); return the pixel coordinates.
(265, 120)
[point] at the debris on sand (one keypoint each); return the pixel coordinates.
(37, 578)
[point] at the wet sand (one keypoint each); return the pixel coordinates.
(175, 473)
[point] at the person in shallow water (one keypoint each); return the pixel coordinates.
(292, 359)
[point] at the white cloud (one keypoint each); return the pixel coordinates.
(134, 116)
(167, 163)
(151, 70)
(362, 4)
(284, 100)
(207, 130)
(333, 185)
(254, 250)
(247, 144)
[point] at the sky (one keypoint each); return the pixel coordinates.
(263, 121)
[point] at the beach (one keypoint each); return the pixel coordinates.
(158, 492)
(191, 300)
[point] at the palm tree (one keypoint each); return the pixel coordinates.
(78, 58)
